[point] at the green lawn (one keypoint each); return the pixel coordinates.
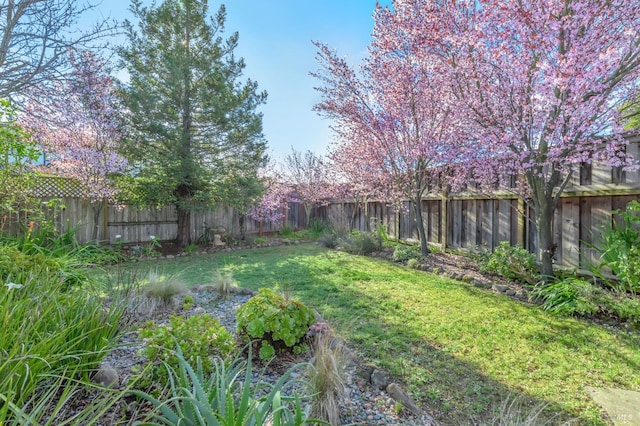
(460, 350)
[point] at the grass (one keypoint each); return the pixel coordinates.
(460, 350)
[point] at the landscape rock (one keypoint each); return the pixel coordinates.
(380, 379)
(500, 288)
(481, 284)
(365, 371)
(395, 391)
(622, 406)
(107, 376)
(510, 292)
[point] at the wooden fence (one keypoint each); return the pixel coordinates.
(471, 220)
(460, 221)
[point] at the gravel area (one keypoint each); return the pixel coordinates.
(362, 405)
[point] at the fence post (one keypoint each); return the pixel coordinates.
(284, 219)
(105, 220)
(521, 221)
(443, 221)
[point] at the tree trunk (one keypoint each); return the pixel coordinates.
(242, 223)
(544, 210)
(183, 239)
(544, 204)
(307, 215)
(97, 209)
(417, 208)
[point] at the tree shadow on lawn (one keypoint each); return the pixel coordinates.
(577, 336)
(384, 332)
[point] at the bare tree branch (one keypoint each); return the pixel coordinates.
(36, 36)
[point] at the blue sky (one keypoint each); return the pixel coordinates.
(275, 41)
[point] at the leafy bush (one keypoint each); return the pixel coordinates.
(402, 253)
(413, 263)
(361, 242)
(569, 296)
(626, 309)
(576, 296)
(512, 262)
(619, 248)
(224, 397)
(201, 335)
(277, 322)
(287, 231)
(187, 302)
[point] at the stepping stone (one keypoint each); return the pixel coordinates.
(622, 406)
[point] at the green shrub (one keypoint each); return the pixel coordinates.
(202, 337)
(361, 242)
(512, 262)
(317, 228)
(569, 296)
(277, 322)
(187, 302)
(619, 248)
(626, 309)
(260, 240)
(413, 263)
(402, 253)
(18, 266)
(227, 396)
(191, 248)
(329, 240)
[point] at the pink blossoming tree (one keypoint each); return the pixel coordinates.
(76, 123)
(542, 81)
(395, 121)
(307, 176)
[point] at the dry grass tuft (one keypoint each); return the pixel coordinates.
(326, 379)
(224, 285)
(515, 411)
(164, 288)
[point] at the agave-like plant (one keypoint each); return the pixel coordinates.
(225, 398)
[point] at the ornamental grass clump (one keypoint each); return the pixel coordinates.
(224, 285)
(164, 288)
(326, 378)
(273, 322)
(50, 332)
